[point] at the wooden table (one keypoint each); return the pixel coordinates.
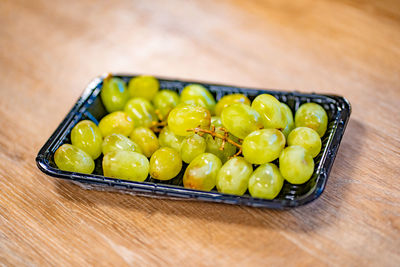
(50, 50)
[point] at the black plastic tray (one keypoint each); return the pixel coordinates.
(90, 106)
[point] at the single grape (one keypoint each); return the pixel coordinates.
(168, 139)
(182, 118)
(116, 122)
(289, 120)
(87, 136)
(263, 146)
(266, 181)
(141, 111)
(146, 139)
(73, 159)
(270, 110)
(197, 91)
(296, 164)
(165, 164)
(164, 101)
(192, 146)
(228, 100)
(214, 145)
(114, 94)
(126, 165)
(313, 116)
(201, 174)
(307, 138)
(240, 119)
(144, 86)
(116, 142)
(233, 176)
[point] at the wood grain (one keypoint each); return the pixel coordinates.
(49, 51)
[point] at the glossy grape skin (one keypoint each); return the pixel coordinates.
(266, 181)
(289, 120)
(263, 146)
(87, 136)
(296, 164)
(144, 86)
(228, 100)
(141, 111)
(197, 91)
(270, 111)
(164, 101)
(213, 146)
(240, 119)
(201, 174)
(307, 138)
(117, 142)
(73, 159)
(216, 121)
(196, 102)
(116, 122)
(168, 139)
(192, 146)
(165, 164)
(114, 94)
(313, 116)
(126, 165)
(146, 139)
(233, 177)
(186, 117)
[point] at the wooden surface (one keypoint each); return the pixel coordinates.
(50, 50)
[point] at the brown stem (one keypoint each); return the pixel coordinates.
(157, 126)
(214, 134)
(109, 76)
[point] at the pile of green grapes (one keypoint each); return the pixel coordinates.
(233, 145)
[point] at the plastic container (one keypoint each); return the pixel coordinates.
(90, 106)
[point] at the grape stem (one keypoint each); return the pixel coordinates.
(109, 76)
(156, 126)
(225, 137)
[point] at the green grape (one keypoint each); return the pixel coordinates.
(141, 111)
(164, 101)
(192, 146)
(116, 122)
(127, 165)
(263, 146)
(165, 164)
(116, 142)
(216, 121)
(201, 174)
(146, 139)
(214, 145)
(197, 91)
(87, 136)
(307, 138)
(228, 100)
(168, 139)
(289, 120)
(296, 164)
(73, 159)
(144, 86)
(270, 110)
(114, 94)
(233, 176)
(186, 117)
(313, 116)
(240, 119)
(266, 181)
